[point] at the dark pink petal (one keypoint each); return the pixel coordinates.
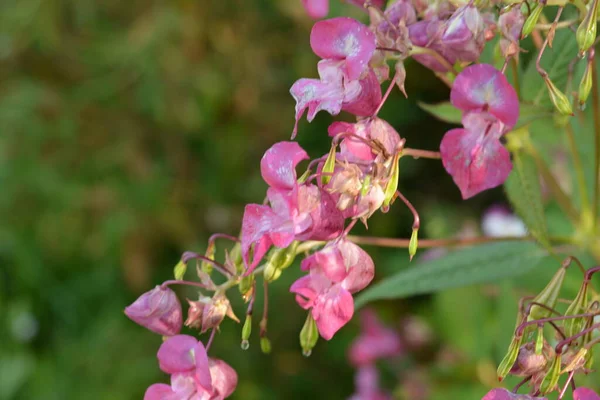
(159, 391)
(511, 24)
(401, 10)
(359, 264)
(278, 164)
(367, 100)
(203, 375)
(503, 394)
(176, 354)
(333, 310)
(481, 87)
(582, 393)
(257, 225)
(316, 9)
(475, 157)
(224, 379)
(327, 220)
(305, 292)
(158, 310)
(185, 386)
(428, 34)
(352, 146)
(344, 38)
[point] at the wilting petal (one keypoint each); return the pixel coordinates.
(176, 354)
(475, 158)
(224, 379)
(463, 34)
(158, 310)
(481, 87)
(583, 393)
(427, 34)
(344, 38)
(332, 311)
(401, 10)
(361, 3)
(316, 9)
(503, 394)
(278, 165)
(367, 100)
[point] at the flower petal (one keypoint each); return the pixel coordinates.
(365, 101)
(158, 310)
(332, 311)
(278, 164)
(359, 264)
(159, 391)
(224, 378)
(583, 393)
(176, 354)
(316, 9)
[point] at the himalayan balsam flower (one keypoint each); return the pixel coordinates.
(500, 221)
(583, 393)
(158, 310)
(375, 341)
(335, 272)
(193, 374)
(473, 155)
(503, 394)
(318, 9)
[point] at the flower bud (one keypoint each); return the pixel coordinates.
(309, 335)
(247, 328)
(509, 359)
(547, 296)
(194, 318)
(551, 378)
(283, 258)
(179, 270)
(392, 184)
(271, 273)
(578, 306)
(329, 165)
(559, 99)
(531, 21)
(586, 32)
(210, 254)
(234, 259)
(414, 243)
(585, 86)
(158, 310)
(265, 345)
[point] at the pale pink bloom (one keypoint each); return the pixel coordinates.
(335, 272)
(481, 87)
(375, 342)
(503, 394)
(346, 39)
(366, 381)
(367, 99)
(370, 130)
(474, 156)
(316, 9)
(583, 393)
(510, 25)
(158, 310)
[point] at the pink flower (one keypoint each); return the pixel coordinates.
(373, 130)
(344, 39)
(316, 9)
(463, 35)
(428, 33)
(193, 374)
(375, 342)
(296, 211)
(481, 87)
(474, 155)
(366, 381)
(503, 394)
(510, 25)
(158, 310)
(583, 393)
(335, 272)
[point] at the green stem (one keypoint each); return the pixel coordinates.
(583, 193)
(596, 113)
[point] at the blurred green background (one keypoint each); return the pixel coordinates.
(131, 131)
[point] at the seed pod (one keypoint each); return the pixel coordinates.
(531, 21)
(392, 184)
(509, 359)
(413, 244)
(578, 306)
(551, 378)
(547, 296)
(210, 254)
(585, 86)
(265, 345)
(179, 270)
(247, 328)
(309, 335)
(586, 32)
(559, 99)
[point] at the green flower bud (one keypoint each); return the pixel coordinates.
(413, 244)
(265, 345)
(585, 86)
(551, 379)
(271, 273)
(531, 21)
(586, 32)
(510, 358)
(179, 270)
(247, 328)
(235, 257)
(309, 335)
(329, 166)
(547, 296)
(283, 258)
(392, 184)
(559, 99)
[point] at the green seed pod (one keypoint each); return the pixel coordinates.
(179, 270)
(551, 379)
(577, 306)
(585, 86)
(509, 359)
(559, 99)
(547, 296)
(578, 361)
(283, 258)
(246, 284)
(265, 345)
(247, 328)
(586, 32)
(210, 254)
(413, 244)
(271, 273)
(539, 340)
(392, 184)
(309, 335)
(531, 21)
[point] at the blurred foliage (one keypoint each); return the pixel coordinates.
(129, 131)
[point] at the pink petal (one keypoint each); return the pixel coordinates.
(359, 264)
(401, 10)
(368, 98)
(185, 387)
(332, 311)
(278, 165)
(316, 9)
(159, 391)
(361, 3)
(476, 160)
(464, 34)
(327, 261)
(428, 33)
(203, 376)
(582, 393)
(305, 292)
(258, 222)
(158, 310)
(503, 394)
(344, 38)
(224, 379)
(176, 354)
(483, 87)
(327, 220)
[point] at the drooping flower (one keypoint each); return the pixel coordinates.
(583, 393)
(375, 341)
(335, 272)
(481, 87)
(510, 25)
(503, 394)
(208, 313)
(474, 156)
(158, 310)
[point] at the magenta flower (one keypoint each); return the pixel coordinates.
(503, 394)
(344, 39)
(481, 87)
(375, 341)
(367, 385)
(335, 272)
(158, 310)
(474, 156)
(193, 374)
(296, 211)
(316, 9)
(463, 35)
(583, 393)
(373, 130)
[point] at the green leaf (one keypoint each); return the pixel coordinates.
(443, 111)
(524, 193)
(484, 263)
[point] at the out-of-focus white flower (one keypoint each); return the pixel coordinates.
(500, 221)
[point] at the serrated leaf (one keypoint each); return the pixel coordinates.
(479, 264)
(444, 111)
(524, 193)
